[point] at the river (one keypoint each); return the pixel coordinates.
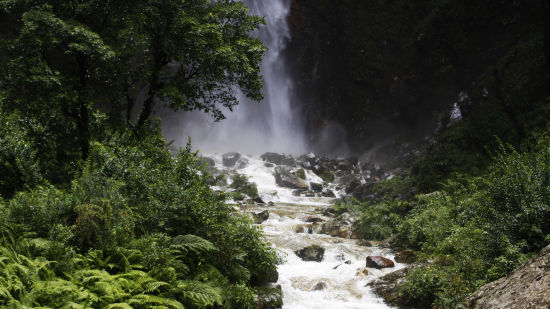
(339, 280)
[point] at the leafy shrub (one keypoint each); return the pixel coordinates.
(241, 184)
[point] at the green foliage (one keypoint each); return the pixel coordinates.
(478, 229)
(301, 173)
(241, 185)
(136, 227)
(327, 176)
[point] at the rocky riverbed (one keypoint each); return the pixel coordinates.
(324, 265)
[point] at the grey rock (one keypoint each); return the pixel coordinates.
(269, 297)
(314, 220)
(242, 163)
(229, 159)
(527, 287)
(311, 253)
(320, 286)
(278, 159)
(387, 287)
(317, 187)
(261, 216)
(284, 178)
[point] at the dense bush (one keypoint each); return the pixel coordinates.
(136, 227)
(478, 229)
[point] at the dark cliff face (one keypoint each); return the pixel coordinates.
(393, 68)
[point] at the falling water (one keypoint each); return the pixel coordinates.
(253, 127)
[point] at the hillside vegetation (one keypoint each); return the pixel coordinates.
(95, 212)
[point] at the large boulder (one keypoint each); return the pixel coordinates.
(260, 216)
(379, 262)
(284, 178)
(269, 297)
(341, 226)
(241, 163)
(311, 253)
(527, 287)
(278, 159)
(316, 187)
(387, 287)
(229, 159)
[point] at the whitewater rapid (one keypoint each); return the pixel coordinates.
(342, 270)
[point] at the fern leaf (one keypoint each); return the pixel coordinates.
(151, 300)
(199, 294)
(119, 306)
(186, 243)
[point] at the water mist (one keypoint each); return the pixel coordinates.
(253, 127)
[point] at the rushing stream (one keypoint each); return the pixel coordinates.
(339, 280)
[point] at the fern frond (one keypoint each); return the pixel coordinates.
(196, 244)
(119, 306)
(150, 287)
(150, 300)
(199, 294)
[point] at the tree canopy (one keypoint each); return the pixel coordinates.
(123, 57)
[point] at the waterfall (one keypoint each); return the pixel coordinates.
(253, 127)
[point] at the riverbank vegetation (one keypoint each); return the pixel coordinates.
(96, 212)
(476, 204)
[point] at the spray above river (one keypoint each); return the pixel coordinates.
(253, 127)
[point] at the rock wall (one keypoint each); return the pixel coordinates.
(387, 68)
(527, 287)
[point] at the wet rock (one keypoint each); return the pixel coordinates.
(364, 243)
(278, 159)
(269, 165)
(317, 187)
(258, 200)
(320, 286)
(387, 287)
(362, 272)
(328, 212)
(284, 178)
(311, 253)
(379, 262)
(242, 163)
(527, 287)
(339, 227)
(270, 204)
(328, 193)
(314, 220)
(353, 185)
(261, 216)
(300, 229)
(269, 297)
(406, 256)
(229, 159)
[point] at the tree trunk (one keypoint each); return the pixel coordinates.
(546, 17)
(83, 121)
(154, 86)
